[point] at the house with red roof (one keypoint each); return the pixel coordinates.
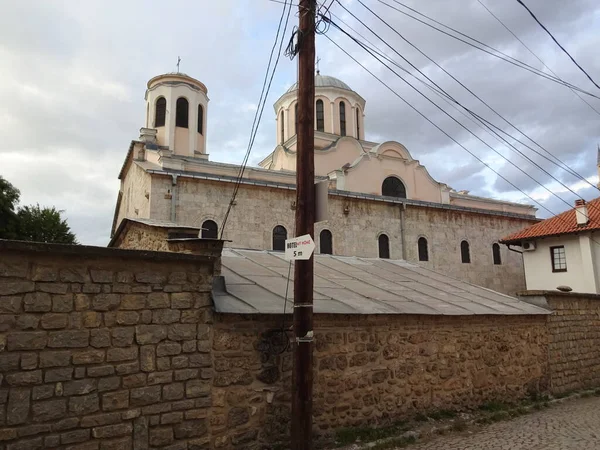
(563, 250)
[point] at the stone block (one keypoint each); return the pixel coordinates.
(150, 334)
(85, 404)
(150, 277)
(44, 273)
(163, 363)
(108, 384)
(69, 339)
(51, 441)
(18, 406)
(106, 302)
(42, 392)
(101, 276)
(181, 300)
(83, 302)
(181, 332)
(186, 374)
(58, 374)
(190, 429)
(127, 368)
(62, 303)
(147, 358)
(15, 287)
(37, 302)
(197, 388)
(127, 318)
(98, 420)
(180, 362)
(10, 304)
(124, 277)
(24, 378)
(54, 359)
(158, 300)
(74, 436)
(13, 269)
(115, 400)
(49, 410)
(91, 319)
(100, 338)
(133, 302)
(74, 275)
(245, 437)
(9, 361)
(122, 336)
(89, 357)
(160, 377)
(191, 316)
(117, 444)
(145, 395)
(168, 349)
(32, 430)
(52, 288)
(161, 436)
(27, 322)
(54, 321)
(80, 387)
(121, 354)
(134, 380)
(65, 424)
(165, 316)
(173, 391)
(110, 431)
(237, 416)
(26, 444)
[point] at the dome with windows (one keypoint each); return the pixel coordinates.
(324, 81)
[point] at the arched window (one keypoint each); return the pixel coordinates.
(465, 252)
(384, 246)
(200, 119)
(296, 118)
(423, 250)
(357, 123)
(282, 126)
(279, 237)
(393, 187)
(182, 113)
(326, 242)
(320, 116)
(210, 230)
(342, 119)
(160, 112)
(496, 254)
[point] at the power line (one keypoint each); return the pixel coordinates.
(505, 57)
(260, 108)
(450, 116)
(535, 55)
(557, 43)
(472, 93)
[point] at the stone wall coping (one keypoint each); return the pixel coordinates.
(102, 252)
(549, 293)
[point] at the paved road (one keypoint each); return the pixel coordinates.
(573, 425)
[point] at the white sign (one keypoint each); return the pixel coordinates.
(300, 247)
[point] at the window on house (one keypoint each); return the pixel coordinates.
(160, 112)
(296, 118)
(496, 254)
(357, 123)
(559, 258)
(384, 246)
(423, 250)
(342, 119)
(282, 126)
(200, 119)
(326, 242)
(279, 237)
(210, 230)
(393, 187)
(320, 116)
(465, 252)
(182, 113)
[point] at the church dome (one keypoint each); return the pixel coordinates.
(324, 81)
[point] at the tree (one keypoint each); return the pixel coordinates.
(43, 225)
(9, 197)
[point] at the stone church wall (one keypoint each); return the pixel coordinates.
(355, 225)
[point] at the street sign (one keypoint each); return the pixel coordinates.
(300, 247)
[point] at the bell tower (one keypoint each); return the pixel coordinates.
(176, 107)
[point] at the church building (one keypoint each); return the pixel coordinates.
(382, 202)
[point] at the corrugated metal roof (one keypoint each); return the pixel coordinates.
(256, 282)
(564, 223)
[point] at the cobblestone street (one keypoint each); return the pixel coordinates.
(573, 425)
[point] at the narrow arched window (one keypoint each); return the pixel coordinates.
(423, 250)
(200, 119)
(393, 187)
(296, 118)
(342, 119)
(279, 237)
(384, 246)
(182, 113)
(496, 254)
(320, 116)
(357, 123)
(160, 112)
(465, 252)
(210, 230)
(326, 242)
(282, 124)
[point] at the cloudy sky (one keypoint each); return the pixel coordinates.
(73, 74)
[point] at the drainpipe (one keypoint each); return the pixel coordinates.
(402, 229)
(174, 195)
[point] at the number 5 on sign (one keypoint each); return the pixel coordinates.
(300, 247)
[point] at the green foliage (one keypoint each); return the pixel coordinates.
(30, 223)
(43, 225)
(9, 197)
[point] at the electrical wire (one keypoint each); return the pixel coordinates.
(534, 54)
(468, 110)
(259, 111)
(557, 43)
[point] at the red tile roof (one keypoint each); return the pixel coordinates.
(564, 223)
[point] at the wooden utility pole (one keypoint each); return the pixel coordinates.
(302, 380)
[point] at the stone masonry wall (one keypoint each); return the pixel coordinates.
(103, 349)
(259, 209)
(574, 341)
(369, 370)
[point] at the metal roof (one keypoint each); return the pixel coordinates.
(256, 282)
(324, 81)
